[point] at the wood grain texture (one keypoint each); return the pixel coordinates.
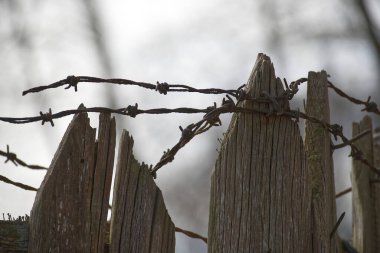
(375, 192)
(14, 236)
(364, 235)
(140, 221)
(260, 199)
(69, 212)
(320, 165)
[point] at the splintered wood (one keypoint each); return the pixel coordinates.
(260, 198)
(70, 210)
(140, 221)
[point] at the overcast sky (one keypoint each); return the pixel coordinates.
(199, 43)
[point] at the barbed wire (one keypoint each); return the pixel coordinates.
(20, 185)
(369, 105)
(210, 119)
(12, 157)
(212, 113)
(162, 88)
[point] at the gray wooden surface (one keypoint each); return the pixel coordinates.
(260, 198)
(14, 236)
(364, 234)
(320, 165)
(375, 188)
(70, 209)
(140, 221)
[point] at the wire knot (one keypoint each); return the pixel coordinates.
(187, 132)
(132, 110)
(47, 117)
(162, 88)
(241, 93)
(292, 89)
(336, 130)
(212, 116)
(72, 81)
(370, 106)
(228, 103)
(11, 157)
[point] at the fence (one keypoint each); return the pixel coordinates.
(270, 190)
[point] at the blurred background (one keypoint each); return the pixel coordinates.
(200, 43)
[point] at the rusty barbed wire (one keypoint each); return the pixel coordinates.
(369, 105)
(191, 234)
(12, 157)
(162, 88)
(212, 113)
(20, 185)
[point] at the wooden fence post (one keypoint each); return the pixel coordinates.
(140, 221)
(375, 186)
(70, 210)
(320, 165)
(260, 198)
(14, 235)
(365, 238)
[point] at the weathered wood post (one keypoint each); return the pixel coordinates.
(320, 165)
(260, 197)
(14, 235)
(365, 237)
(140, 221)
(70, 210)
(375, 186)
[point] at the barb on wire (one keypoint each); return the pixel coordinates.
(12, 157)
(162, 88)
(20, 185)
(369, 105)
(191, 234)
(292, 89)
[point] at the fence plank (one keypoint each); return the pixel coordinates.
(320, 165)
(260, 200)
(69, 212)
(14, 236)
(375, 187)
(364, 235)
(139, 222)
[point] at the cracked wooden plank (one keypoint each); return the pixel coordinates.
(70, 209)
(140, 221)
